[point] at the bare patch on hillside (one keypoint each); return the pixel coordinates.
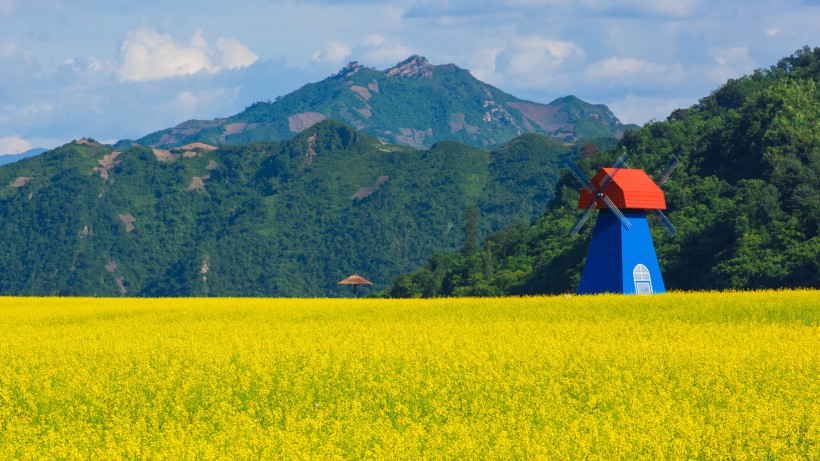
(166, 139)
(300, 122)
(456, 122)
(197, 183)
(111, 266)
(21, 181)
(541, 115)
(368, 191)
(366, 112)
(128, 220)
(121, 285)
(107, 163)
(311, 150)
(361, 91)
(87, 142)
(234, 128)
(198, 145)
(212, 165)
(412, 137)
(164, 155)
(188, 128)
(373, 86)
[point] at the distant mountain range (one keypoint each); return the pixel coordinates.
(6, 159)
(413, 103)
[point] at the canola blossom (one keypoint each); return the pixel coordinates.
(674, 376)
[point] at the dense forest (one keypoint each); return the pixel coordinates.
(260, 219)
(744, 200)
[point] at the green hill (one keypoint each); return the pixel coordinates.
(413, 103)
(744, 199)
(261, 219)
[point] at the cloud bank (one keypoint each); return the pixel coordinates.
(150, 55)
(14, 145)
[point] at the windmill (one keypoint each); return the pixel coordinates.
(621, 257)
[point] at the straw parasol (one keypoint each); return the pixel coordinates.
(355, 280)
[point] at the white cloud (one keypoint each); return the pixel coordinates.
(557, 50)
(733, 62)
(32, 111)
(13, 145)
(632, 71)
(483, 65)
(387, 56)
(377, 50)
(639, 110)
(536, 62)
(375, 40)
(6, 7)
(187, 104)
(15, 50)
(673, 8)
(186, 101)
(234, 53)
(150, 55)
(772, 32)
(334, 52)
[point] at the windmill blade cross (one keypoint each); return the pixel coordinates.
(625, 222)
(583, 218)
(669, 168)
(580, 176)
(670, 229)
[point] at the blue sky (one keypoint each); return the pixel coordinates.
(117, 69)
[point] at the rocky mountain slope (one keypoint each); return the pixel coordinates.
(413, 103)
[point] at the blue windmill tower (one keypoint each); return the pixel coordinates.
(621, 256)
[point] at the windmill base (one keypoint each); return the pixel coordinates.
(620, 260)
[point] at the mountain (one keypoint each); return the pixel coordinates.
(413, 103)
(744, 199)
(287, 218)
(6, 159)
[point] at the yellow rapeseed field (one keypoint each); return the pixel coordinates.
(675, 376)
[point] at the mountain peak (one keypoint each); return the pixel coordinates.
(351, 68)
(414, 103)
(414, 66)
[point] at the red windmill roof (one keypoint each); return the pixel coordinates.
(629, 189)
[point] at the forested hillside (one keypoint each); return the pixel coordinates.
(744, 199)
(263, 219)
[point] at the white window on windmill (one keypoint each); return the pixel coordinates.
(643, 281)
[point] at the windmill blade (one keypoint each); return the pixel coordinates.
(625, 222)
(580, 176)
(669, 168)
(583, 218)
(670, 229)
(620, 163)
